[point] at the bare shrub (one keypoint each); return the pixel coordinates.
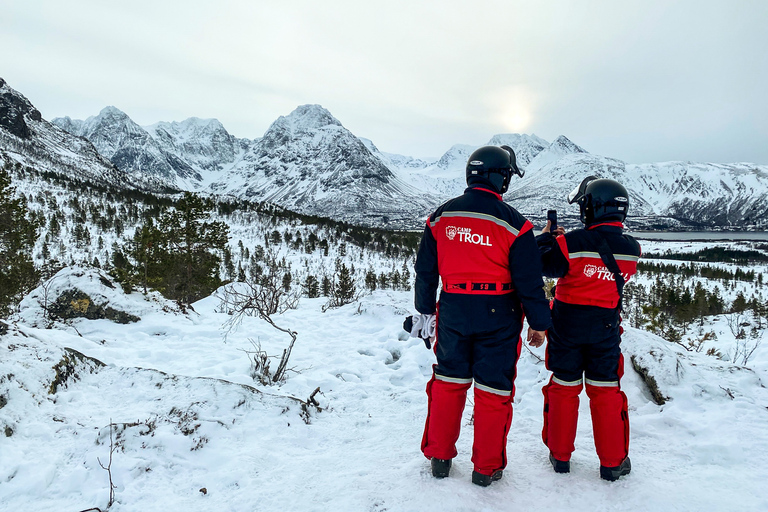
(263, 296)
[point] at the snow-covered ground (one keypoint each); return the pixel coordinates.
(189, 417)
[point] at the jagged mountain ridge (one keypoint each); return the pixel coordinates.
(671, 194)
(306, 161)
(203, 143)
(309, 162)
(29, 140)
(131, 148)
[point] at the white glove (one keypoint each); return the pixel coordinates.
(424, 326)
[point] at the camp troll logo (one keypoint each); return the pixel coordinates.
(602, 273)
(466, 235)
(590, 270)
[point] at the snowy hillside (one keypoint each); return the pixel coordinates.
(26, 139)
(192, 430)
(734, 195)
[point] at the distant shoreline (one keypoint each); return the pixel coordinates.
(702, 236)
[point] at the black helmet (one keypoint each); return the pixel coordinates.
(494, 166)
(600, 200)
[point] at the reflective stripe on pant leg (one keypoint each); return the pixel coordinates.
(447, 397)
(561, 415)
(610, 421)
(493, 417)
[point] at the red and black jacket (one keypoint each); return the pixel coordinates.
(478, 244)
(584, 278)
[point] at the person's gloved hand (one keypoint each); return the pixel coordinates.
(422, 326)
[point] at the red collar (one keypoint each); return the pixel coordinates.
(616, 224)
(498, 196)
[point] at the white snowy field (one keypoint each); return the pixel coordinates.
(189, 417)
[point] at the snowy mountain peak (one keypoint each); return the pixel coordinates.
(305, 118)
(456, 157)
(560, 147)
(68, 124)
(114, 112)
(526, 146)
(202, 143)
(563, 145)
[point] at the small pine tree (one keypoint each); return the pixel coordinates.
(739, 303)
(311, 287)
(229, 264)
(405, 278)
(326, 287)
(395, 280)
(370, 280)
(344, 291)
(383, 281)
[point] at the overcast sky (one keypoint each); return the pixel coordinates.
(644, 81)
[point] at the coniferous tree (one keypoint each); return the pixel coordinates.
(146, 251)
(383, 281)
(344, 291)
(17, 238)
(189, 261)
(311, 287)
(229, 263)
(326, 287)
(739, 303)
(370, 280)
(405, 278)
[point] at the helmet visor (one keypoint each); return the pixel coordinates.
(578, 193)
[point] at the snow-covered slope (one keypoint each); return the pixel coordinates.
(28, 139)
(526, 147)
(546, 186)
(559, 148)
(131, 148)
(308, 162)
(193, 430)
(203, 144)
(734, 195)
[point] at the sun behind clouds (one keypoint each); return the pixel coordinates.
(514, 109)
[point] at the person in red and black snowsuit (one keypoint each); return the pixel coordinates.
(486, 255)
(584, 340)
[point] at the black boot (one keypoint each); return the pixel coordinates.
(560, 466)
(440, 467)
(485, 480)
(612, 474)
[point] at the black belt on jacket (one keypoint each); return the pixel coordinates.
(477, 287)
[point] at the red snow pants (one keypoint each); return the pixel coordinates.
(584, 342)
(467, 353)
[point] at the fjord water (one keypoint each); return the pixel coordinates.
(701, 236)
